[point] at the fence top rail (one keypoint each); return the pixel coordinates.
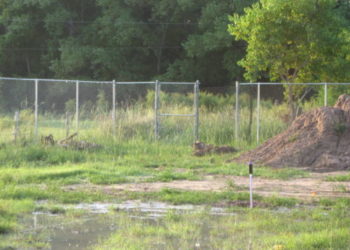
(280, 83)
(133, 83)
(178, 83)
(93, 82)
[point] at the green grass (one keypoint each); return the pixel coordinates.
(344, 177)
(245, 229)
(10, 209)
(224, 198)
(190, 197)
(30, 172)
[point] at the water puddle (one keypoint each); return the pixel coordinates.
(59, 232)
(151, 209)
(95, 222)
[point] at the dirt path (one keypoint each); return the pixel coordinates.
(302, 188)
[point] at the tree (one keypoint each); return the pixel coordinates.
(294, 41)
(209, 50)
(125, 40)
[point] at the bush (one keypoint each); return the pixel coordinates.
(207, 101)
(6, 123)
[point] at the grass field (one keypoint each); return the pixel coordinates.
(32, 174)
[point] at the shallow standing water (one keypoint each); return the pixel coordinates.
(94, 222)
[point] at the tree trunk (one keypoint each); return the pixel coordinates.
(160, 48)
(29, 70)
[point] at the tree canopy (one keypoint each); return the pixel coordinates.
(120, 39)
(125, 40)
(130, 40)
(294, 41)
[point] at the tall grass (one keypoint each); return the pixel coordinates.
(136, 122)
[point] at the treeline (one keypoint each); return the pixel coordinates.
(126, 40)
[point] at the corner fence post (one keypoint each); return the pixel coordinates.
(113, 109)
(196, 107)
(156, 110)
(258, 115)
(325, 94)
(237, 112)
(36, 107)
(77, 106)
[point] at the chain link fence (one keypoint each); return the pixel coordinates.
(261, 111)
(35, 108)
(243, 115)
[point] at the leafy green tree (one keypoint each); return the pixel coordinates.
(116, 39)
(294, 41)
(209, 50)
(22, 37)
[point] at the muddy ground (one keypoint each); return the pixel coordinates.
(314, 186)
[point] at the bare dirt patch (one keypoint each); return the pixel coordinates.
(302, 188)
(318, 139)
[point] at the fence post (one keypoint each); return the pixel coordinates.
(325, 94)
(16, 132)
(77, 106)
(156, 110)
(36, 106)
(67, 125)
(258, 115)
(237, 112)
(196, 107)
(113, 109)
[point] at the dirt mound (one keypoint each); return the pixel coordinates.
(319, 139)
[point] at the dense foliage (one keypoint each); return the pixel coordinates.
(178, 40)
(295, 41)
(125, 40)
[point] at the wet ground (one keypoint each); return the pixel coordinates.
(92, 223)
(301, 188)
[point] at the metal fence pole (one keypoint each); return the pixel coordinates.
(237, 112)
(67, 124)
(16, 132)
(113, 109)
(196, 107)
(258, 115)
(77, 105)
(156, 110)
(325, 94)
(36, 106)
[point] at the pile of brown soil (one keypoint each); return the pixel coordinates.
(319, 139)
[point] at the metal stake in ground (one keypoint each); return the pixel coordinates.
(251, 183)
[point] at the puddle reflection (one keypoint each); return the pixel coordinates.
(97, 222)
